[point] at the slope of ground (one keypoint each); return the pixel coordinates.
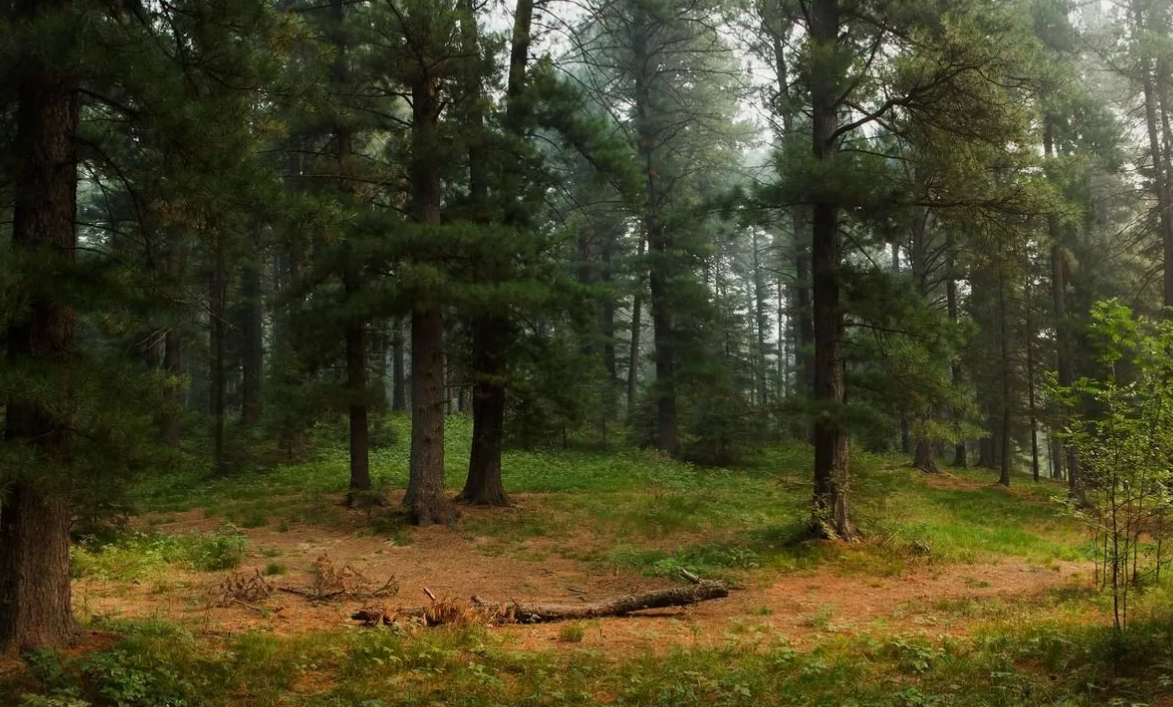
(963, 593)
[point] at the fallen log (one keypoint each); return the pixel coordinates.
(444, 611)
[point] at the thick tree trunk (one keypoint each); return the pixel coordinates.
(830, 517)
(34, 514)
(425, 497)
(924, 458)
(490, 331)
(252, 333)
(484, 485)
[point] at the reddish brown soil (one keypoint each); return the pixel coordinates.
(795, 606)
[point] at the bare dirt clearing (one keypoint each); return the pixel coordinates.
(769, 606)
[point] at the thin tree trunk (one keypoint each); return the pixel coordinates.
(1003, 335)
(959, 452)
(636, 330)
(352, 284)
(253, 334)
(34, 515)
(1030, 386)
(425, 497)
(218, 374)
(398, 377)
(761, 323)
(830, 509)
(1064, 372)
(173, 367)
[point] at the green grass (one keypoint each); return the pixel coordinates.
(641, 511)
(138, 555)
(156, 664)
(636, 511)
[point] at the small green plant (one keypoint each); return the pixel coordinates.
(255, 520)
(275, 568)
(271, 552)
(571, 633)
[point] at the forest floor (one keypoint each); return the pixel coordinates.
(963, 593)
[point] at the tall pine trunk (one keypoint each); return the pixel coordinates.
(490, 339)
(34, 516)
(830, 516)
(218, 374)
(636, 330)
(352, 284)
(1064, 373)
(425, 497)
(659, 248)
(959, 452)
(1004, 369)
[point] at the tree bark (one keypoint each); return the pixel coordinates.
(34, 514)
(830, 517)
(484, 485)
(923, 458)
(425, 497)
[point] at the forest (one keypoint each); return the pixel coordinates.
(359, 353)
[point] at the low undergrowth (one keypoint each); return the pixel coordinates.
(155, 664)
(136, 555)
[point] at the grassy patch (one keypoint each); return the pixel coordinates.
(138, 555)
(154, 664)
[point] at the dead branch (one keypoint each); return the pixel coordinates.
(477, 610)
(331, 583)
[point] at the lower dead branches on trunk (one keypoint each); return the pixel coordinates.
(477, 610)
